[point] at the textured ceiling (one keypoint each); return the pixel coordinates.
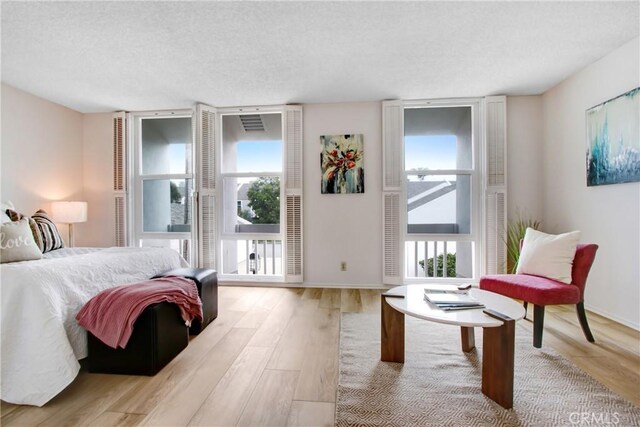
(105, 56)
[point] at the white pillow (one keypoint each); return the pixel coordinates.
(548, 255)
(16, 242)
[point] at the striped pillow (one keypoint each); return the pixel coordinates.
(17, 216)
(50, 236)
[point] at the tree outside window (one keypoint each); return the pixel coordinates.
(264, 201)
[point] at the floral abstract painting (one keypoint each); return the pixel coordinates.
(613, 140)
(342, 164)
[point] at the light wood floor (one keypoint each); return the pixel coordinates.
(271, 358)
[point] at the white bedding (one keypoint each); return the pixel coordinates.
(41, 340)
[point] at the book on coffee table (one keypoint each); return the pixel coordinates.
(449, 302)
(444, 289)
(445, 307)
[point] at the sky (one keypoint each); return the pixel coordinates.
(259, 156)
(253, 156)
(431, 152)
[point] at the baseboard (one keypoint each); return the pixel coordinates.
(240, 283)
(301, 285)
(344, 285)
(614, 317)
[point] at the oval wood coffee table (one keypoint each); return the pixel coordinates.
(498, 332)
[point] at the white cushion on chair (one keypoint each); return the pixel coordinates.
(548, 255)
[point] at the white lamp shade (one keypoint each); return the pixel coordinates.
(68, 212)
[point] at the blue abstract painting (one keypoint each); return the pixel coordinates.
(342, 164)
(613, 140)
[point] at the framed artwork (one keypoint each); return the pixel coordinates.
(613, 140)
(342, 164)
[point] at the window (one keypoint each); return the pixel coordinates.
(163, 180)
(440, 195)
(252, 194)
(411, 243)
(154, 163)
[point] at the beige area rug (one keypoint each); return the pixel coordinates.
(439, 385)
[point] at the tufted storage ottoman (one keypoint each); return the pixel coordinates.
(207, 283)
(159, 334)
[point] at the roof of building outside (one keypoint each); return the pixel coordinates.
(418, 187)
(242, 191)
(415, 188)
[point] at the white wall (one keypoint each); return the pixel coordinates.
(607, 215)
(97, 143)
(41, 152)
(343, 227)
(524, 157)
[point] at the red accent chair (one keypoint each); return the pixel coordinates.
(541, 291)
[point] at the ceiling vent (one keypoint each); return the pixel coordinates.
(252, 123)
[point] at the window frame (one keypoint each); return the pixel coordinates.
(137, 178)
(224, 235)
(476, 173)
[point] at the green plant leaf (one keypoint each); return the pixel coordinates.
(515, 232)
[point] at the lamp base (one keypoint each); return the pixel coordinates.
(71, 240)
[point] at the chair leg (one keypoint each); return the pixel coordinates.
(538, 322)
(525, 305)
(582, 316)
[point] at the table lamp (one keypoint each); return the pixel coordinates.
(69, 213)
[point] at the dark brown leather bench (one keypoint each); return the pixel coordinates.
(207, 283)
(159, 335)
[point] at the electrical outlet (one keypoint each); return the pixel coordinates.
(343, 266)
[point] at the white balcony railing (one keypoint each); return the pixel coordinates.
(438, 259)
(264, 256)
(252, 257)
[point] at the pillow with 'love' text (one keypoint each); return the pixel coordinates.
(16, 242)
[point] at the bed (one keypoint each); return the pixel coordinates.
(41, 340)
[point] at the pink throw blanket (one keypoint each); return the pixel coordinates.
(110, 315)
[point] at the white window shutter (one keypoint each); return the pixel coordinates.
(392, 143)
(293, 138)
(293, 194)
(496, 253)
(120, 152)
(121, 219)
(206, 143)
(391, 251)
(392, 172)
(293, 237)
(496, 185)
(207, 239)
(120, 169)
(496, 116)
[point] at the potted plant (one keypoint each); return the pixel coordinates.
(515, 233)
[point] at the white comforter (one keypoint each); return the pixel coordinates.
(41, 340)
